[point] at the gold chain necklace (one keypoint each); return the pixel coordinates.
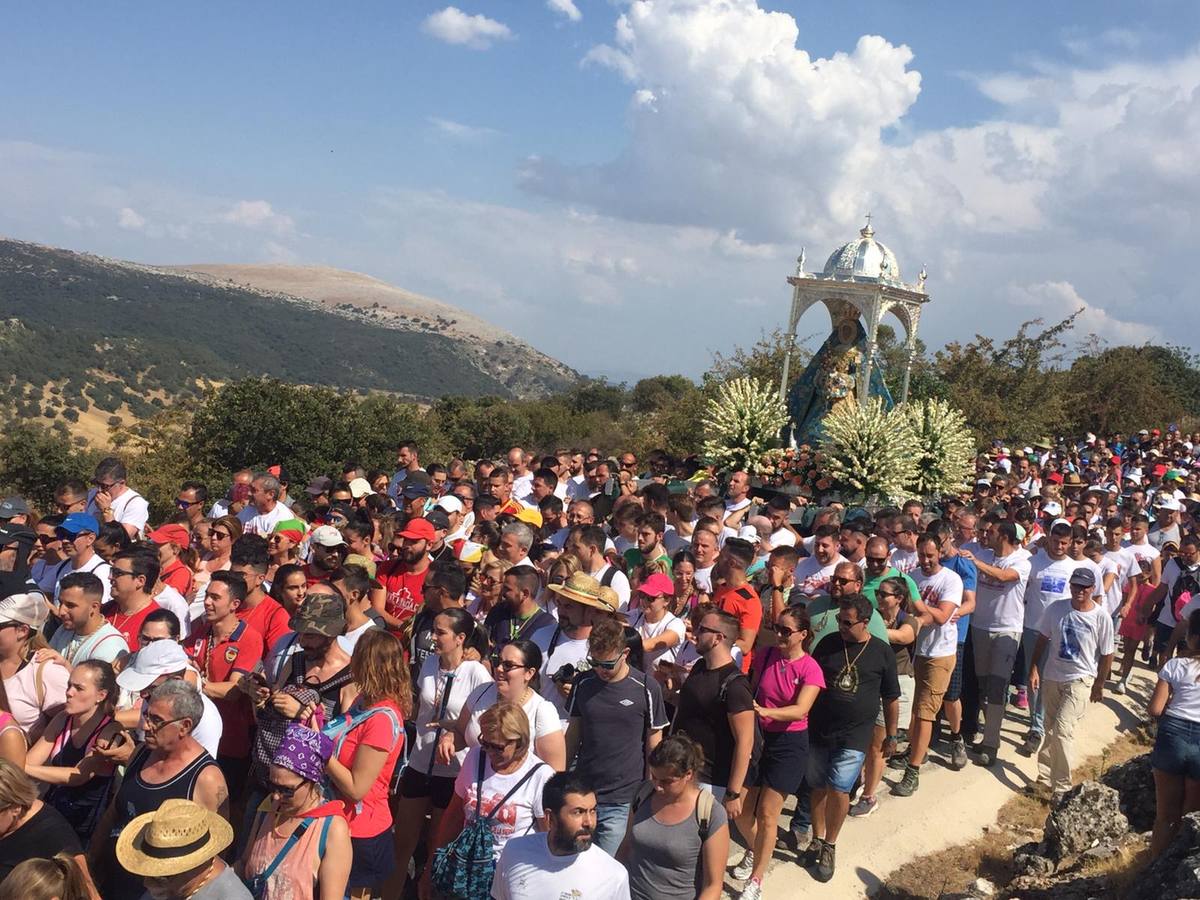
(847, 678)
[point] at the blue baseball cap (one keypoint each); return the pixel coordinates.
(76, 523)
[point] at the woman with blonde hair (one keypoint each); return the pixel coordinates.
(368, 742)
(30, 828)
(486, 587)
(57, 878)
(502, 776)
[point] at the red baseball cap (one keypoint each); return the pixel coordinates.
(171, 534)
(1160, 470)
(1055, 477)
(657, 585)
(418, 530)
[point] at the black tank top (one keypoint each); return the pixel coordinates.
(82, 805)
(136, 797)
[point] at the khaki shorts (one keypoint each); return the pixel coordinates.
(906, 702)
(933, 678)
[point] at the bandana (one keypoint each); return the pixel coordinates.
(304, 752)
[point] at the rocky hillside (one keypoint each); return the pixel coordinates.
(88, 338)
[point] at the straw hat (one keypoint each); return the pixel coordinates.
(177, 837)
(583, 588)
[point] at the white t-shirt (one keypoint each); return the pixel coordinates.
(1077, 640)
(264, 523)
(543, 717)
(944, 585)
(172, 600)
(648, 630)
(349, 640)
(527, 870)
(522, 485)
(1142, 552)
(567, 651)
(904, 561)
(1127, 567)
(1000, 605)
(1170, 575)
(618, 583)
(105, 644)
(520, 811)
(1111, 597)
(1182, 673)
(96, 566)
(812, 578)
(130, 508)
(430, 687)
(1048, 581)
(703, 579)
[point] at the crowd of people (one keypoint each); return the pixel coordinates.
(569, 675)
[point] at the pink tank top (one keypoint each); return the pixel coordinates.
(295, 876)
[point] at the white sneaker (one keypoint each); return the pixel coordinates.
(1120, 688)
(752, 891)
(743, 869)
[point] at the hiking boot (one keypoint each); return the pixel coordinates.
(987, 756)
(743, 869)
(958, 754)
(812, 853)
(1033, 743)
(907, 786)
(823, 871)
(864, 807)
(898, 760)
(1021, 700)
(752, 891)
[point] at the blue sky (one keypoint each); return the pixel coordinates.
(1036, 157)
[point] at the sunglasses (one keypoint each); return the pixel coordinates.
(836, 580)
(186, 504)
(784, 632)
(606, 664)
(704, 629)
(283, 790)
(846, 623)
(47, 539)
(118, 572)
(221, 535)
(506, 665)
(886, 594)
(879, 560)
(154, 723)
(489, 747)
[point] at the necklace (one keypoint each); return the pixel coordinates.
(847, 679)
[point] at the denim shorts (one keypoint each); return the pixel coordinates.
(1177, 747)
(834, 767)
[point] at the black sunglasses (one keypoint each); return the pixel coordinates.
(838, 580)
(283, 790)
(606, 664)
(784, 631)
(489, 747)
(506, 665)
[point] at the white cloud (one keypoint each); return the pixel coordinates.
(461, 131)
(130, 219)
(566, 8)
(1055, 300)
(454, 26)
(258, 214)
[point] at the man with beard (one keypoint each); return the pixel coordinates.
(328, 553)
(813, 573)
(563, 862)
(402, 578)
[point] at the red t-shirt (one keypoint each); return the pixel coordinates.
(268, 618)
(178, 576)
(129, 626)
(373, 816)
(744, 603)
(240, 652)
(405, 590)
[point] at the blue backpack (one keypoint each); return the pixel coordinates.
(340, 729)
(464, 868)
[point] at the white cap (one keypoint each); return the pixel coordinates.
(360, 487)
(327, 536)
(1168, 503)
(749, 533)
(160, 658)
(450, 504)
(1052, 508)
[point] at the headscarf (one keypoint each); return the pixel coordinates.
(304, 751)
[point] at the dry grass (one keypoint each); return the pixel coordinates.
(1019, 821)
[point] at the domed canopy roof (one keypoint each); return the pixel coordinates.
(862, 260)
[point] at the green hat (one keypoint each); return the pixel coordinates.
(323, 614)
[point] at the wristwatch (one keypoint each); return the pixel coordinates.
(733, 795)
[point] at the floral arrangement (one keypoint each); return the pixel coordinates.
(742, 423)
(867, 451)
(796, 467)
(943, 447)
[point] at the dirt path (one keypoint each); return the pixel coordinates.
(949, 808)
